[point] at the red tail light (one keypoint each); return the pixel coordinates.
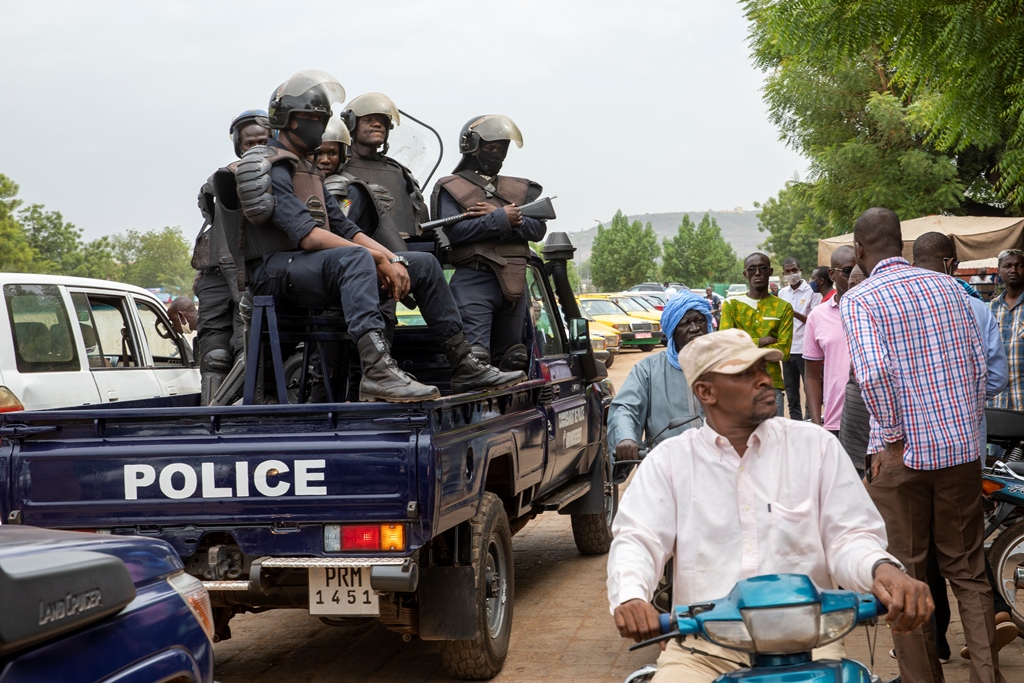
(360, 537)
(9, 403)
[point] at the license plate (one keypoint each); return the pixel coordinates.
(643, 335)
(342, 591)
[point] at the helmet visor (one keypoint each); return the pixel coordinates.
(375, 103)
(497, 127)
(337, 132)
(304, 80)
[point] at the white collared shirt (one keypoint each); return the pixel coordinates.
(802, 299)
(791, 504)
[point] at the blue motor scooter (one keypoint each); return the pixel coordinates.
(1003, 484)
(776, 620)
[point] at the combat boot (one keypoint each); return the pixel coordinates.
(382, 379)
(469, 373)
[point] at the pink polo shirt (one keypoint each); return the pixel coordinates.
(825, 339)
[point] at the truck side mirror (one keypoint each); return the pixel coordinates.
(579, 336)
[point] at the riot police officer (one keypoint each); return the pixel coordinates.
(370, 118)
(489, 248)
(300, 247)
(219, 330)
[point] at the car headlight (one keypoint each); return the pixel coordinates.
(613, 340)
(597, 344)
(622, 327)
(656, 327)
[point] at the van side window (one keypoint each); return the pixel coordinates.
(543, 316)
(42, 329)
(163, 344)
(106, 331)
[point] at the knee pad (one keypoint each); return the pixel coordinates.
(516, 358)
(216, 361)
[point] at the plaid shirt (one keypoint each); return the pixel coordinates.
(920, 360)
(767, 317)
(1011, 328)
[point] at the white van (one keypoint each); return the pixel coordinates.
(69, 341)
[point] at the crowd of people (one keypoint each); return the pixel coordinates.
(316, 213)
(874, 483)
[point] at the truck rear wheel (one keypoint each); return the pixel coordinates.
(482, 657)
(593, 532)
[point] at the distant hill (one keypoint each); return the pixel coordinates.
(739, 228)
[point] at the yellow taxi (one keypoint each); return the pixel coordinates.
(612, 338)
(634, 332)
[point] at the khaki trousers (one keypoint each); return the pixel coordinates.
(676, 665)
(945, 506)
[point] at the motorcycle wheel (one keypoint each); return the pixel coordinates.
(593, 532)
(1005, 555)
(482, 657)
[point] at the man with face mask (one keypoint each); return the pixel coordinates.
(802, 298)
(301, 248)
(216, 286)
(489, 248)
(369, 119)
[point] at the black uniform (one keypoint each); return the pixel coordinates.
(344, 276)
(216, 286)
(489, 318)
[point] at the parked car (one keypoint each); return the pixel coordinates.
(635, 332)
(647, 287)
(68, 341)
(736, 290)
(88, 607)
(656, 299)
(612, 337)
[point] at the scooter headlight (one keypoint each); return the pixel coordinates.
(783, 630)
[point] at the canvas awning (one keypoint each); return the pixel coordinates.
(975, 237)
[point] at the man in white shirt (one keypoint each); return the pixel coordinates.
(746, 494)
(802, 298)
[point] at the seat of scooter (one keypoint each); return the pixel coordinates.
(1015, 467)
(1005, 424)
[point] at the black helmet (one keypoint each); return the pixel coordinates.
(488, 127)
(309, 91)
(257, 116)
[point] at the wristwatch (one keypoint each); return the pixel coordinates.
(399, 259)
(886, 560)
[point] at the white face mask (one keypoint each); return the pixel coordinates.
(793, 278)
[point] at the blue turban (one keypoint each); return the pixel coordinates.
(675, 309)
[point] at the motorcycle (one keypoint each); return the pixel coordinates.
(1003, 484)
(776, 619)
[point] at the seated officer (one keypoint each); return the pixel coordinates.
(489, 247)
(302, 249)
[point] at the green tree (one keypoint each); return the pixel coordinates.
(55, 243)
(675, 266)
(951, 69)
(156, 258)
(792, 225)
(713, 258)
(94, 259)
(16, 253)
(624, 254)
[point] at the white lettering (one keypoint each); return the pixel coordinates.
(136, 477)
(572, 437)
(259, 478)
(303, 478)
(167, 483)
(571, 417)
(242, 479)
(210, 488)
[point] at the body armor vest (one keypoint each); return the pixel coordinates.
(507, 258)
(404, 202)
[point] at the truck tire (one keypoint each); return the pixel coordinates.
(647, 348)
(1006, 553)
(482, 657)
(611, 359)
(593, 532)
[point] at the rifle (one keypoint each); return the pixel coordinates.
(541, 209)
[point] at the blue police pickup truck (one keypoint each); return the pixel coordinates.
(402, 513)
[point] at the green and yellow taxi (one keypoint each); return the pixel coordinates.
(634, 332)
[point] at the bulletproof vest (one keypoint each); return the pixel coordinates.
(211, 248)
(507, 258)
(404, 202)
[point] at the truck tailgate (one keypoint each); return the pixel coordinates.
(104, 468)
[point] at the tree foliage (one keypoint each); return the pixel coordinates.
(944, 107)
(34, 240)
(698, 255)
(792, 225)
(624, 254)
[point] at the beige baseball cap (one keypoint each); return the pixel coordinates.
(728, 351)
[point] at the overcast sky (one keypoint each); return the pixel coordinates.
(116, 111)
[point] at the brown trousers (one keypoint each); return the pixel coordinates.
(943, 504)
